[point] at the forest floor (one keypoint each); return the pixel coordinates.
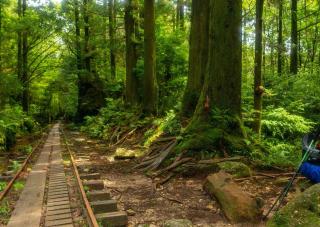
(180, 198)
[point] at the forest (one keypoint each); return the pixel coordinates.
(176, 91)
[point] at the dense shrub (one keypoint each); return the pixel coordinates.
(13, 122)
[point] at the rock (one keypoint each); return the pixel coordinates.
(122, 153)
(236, 169)
(237, 205)
(303, 210)
(178, 223)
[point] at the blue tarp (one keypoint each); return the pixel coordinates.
(311, 171)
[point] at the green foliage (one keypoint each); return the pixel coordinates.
(168, 125)
(27, 149)
(113, 115)
(281, 153)
(2, 185)
(4, 209)
(15, 166)
(279, 123)
(18, 186)
(13, 122)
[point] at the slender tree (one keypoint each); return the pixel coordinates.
(198, 55)
(294, 38)
(19, 43)
(112, 30)
(24, 73)
(280, 38)
(131, 53)
(180, 14)
(87, 53)
(78, 37)
(1, 6)
(258, 87)
(150, 94)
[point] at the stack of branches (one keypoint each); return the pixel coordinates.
(162, 148)
(157, 153)
(120, 135)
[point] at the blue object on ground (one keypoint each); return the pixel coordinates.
(311, 171)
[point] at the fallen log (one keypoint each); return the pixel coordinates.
(237, 205)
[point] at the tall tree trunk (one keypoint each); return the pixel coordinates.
(258, 87)
(180, 14)
(294, 38)
(87, 54)
(91, 96)
(198, 55)
(112, 30)
(78, 37)
(150, 88)
(1, 38)
(280, 38)
(221, 93)
(19, 44)
(131, 53)
(25, 79)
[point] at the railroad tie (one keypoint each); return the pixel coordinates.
(58, 210)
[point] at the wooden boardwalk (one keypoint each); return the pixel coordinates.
(29, 209)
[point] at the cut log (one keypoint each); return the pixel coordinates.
(237, 205)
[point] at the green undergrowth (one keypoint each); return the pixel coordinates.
(279, 144)
(14, 122)
(116, 117)
(220, 133)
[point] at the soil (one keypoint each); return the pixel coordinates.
(180, 198)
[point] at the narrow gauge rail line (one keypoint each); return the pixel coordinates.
(17, 175)
(92, 219)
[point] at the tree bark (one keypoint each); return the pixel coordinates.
(90, 87)
(78, 37)
(180, 14)
(258, 87)
(294, 38)
(131, 92)
(25, 79)
(87, 54)
(1, 39)
(220, 99)
(280, 38)
(198, 55)
(112, 30)
(19, 43)
(150, 96)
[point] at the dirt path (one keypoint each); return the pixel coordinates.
(181, 198)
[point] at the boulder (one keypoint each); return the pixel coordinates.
(303, 210)
(178, 223)
(236, 169)
(237, 205)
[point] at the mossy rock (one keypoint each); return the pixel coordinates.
(236, 169)
(304, 210)
(178, 223)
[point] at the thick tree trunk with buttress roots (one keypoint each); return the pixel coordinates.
(258, 87)
(198, 55)
(150, 88)
(216, 123)
(131, 91)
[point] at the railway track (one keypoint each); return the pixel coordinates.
(49, 196)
